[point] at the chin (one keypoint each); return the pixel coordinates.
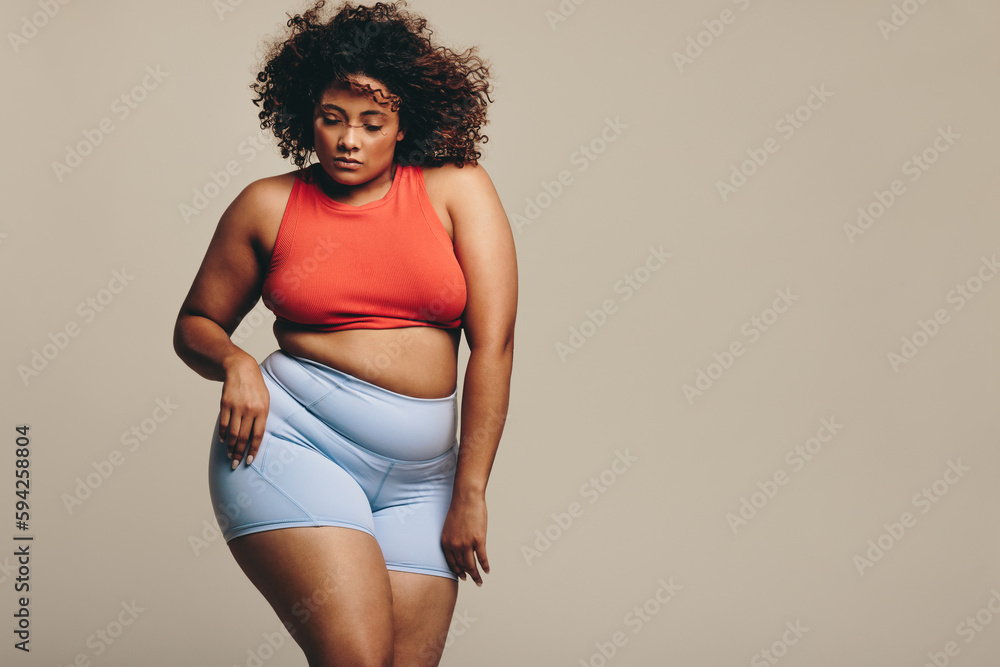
(344, 176)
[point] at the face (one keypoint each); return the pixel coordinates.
(355, 137)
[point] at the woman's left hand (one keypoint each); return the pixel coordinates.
(464, 536)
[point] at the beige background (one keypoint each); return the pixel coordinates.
(681, 130)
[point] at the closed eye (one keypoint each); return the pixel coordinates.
(337, 121)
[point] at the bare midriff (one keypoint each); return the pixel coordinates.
(414, 361)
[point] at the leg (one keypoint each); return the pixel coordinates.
(424, 590)
(421, 612)
(330, 588)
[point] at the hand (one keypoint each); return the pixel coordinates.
(464, 536)
(243, 409)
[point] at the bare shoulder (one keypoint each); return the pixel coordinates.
(265, 195)
(454, 179)
(257, 210)
(461, 189)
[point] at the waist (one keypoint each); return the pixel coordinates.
(419, 362)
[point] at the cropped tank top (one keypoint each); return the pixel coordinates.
(382, 265)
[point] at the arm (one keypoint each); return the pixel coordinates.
(226, 287)
(484, 247)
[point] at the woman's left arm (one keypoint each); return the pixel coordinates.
(484, 247)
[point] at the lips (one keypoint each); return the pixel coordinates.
(346, 164)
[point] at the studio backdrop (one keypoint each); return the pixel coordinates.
(753, 415)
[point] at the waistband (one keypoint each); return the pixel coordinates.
(385, 422)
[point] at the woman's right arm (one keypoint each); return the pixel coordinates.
(227, 285)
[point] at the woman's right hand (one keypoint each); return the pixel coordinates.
(243, 409)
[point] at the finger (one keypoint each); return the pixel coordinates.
(235, 443)
(453, 565)
(476, 577)
(224, 416)
(483, 560)
(246, 437)
(255, 438)
(469, 558)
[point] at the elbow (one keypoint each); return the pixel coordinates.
(500, 348)
(179, 342)
(186, 331)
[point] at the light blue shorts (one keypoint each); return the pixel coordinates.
(339, 451)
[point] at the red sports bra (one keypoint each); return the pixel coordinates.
(382, 265)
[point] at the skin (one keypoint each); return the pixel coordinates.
(367, 614)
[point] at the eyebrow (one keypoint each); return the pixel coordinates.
(370, 112)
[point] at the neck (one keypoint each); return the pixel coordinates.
(356, 194)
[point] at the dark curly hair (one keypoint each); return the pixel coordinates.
(441, 95)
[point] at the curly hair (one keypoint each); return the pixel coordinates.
(441, 95)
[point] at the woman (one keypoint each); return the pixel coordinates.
(335, 471)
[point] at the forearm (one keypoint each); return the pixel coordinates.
(485, 397)
(204, 346)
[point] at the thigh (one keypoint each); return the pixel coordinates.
(422, 607)
(329, 587)
(409, 515)
(287, 485)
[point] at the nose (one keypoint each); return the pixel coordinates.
(349, 138)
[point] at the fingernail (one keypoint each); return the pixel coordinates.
(229, 455)
(236, 464)
(250, 459)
